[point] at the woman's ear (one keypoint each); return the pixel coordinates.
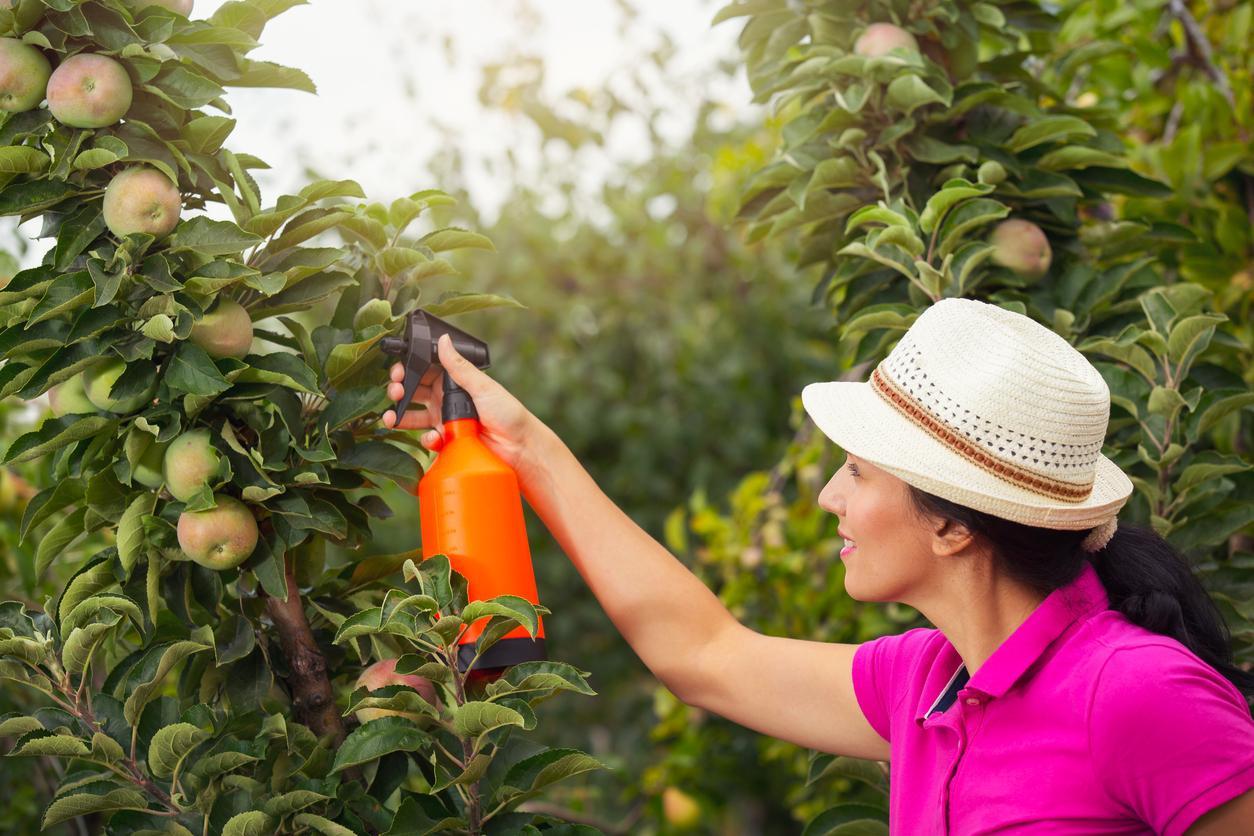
(950, 537)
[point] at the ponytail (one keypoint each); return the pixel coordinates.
(1146, 578)
(1150, 581)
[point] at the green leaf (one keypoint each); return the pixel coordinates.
(18, 725)
(1214, 412)
(81, 643)
(1049, 129)
(539, 771)
(289, 802)
(267, 74)
(321, 825)
(849, 820)
(1121, 181)
(89, 607)
(171, 745)
(454, 303)
(513, 607)
(970, 215)
(202, 639)
(746, 8)
(455, 238)
(307, 225)
(83, 804)
(909, 92)
(22, 159)
(211, 238)
(395, 261)
(66, 531)
(34, 196)
(252, 823)
(1208, 465)
(131, 529)
(91, 580)
(376, 739)
(106, 748)
(540, 676)
(183, 87)
(205, 134)
(477, 717)
(1191, 335)
(94, 158)
(283, 369)
(952, 193)
(434, 576)
(1079, 156)
(384, 459)
(875, 214)
(52, 745)
(191, 370)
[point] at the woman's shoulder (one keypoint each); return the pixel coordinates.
(1137, 668)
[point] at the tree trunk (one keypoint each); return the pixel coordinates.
(312, 696)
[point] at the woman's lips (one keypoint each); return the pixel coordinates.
(847, 550)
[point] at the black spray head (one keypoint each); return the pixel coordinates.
(418, 350)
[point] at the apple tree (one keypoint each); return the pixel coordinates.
(215, 385)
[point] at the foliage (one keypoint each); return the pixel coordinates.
(892, 171)
(180, 698)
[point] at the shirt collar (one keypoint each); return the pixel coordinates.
(1079, 599)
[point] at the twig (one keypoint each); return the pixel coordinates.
(1199, 49)
(545, 808)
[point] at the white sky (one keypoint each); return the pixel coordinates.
(387, 70)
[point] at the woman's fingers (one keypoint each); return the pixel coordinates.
(414, 419)
(418, 415)
(396, 391)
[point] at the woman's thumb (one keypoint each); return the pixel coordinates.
(465, 373)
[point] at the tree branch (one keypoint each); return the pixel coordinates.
(308, 682)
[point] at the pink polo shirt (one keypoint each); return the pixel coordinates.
(1080, 722)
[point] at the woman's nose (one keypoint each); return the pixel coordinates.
(830, 499)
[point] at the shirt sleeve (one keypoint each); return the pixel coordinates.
(1170, 737)
(881, 674)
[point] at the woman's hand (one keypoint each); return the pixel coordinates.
(509, 428)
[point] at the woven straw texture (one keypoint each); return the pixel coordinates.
(987, 408)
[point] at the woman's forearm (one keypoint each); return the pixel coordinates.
(663, 610)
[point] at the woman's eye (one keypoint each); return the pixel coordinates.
(852, 468)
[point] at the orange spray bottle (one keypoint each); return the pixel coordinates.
(469, 500)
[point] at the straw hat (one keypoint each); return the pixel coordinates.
(987, 408)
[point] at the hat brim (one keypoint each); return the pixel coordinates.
(858, 420)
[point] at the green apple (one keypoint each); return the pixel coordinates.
(141, 199)
(219, 538)
(24, 73)
(147, 470)
(225, 331)
(89, 91)
(69, 398)
(191, 462)
(679, 808)
(1021, 246)
(183, 7)
(882, 38)
(98, 381)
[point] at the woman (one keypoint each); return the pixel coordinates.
(1079, 679)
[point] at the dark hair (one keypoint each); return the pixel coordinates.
(1146, 578)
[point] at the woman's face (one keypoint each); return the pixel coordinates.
(891, 552)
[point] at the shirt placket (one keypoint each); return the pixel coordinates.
(961, 719)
